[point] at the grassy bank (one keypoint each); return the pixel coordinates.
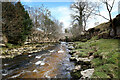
(106, 56)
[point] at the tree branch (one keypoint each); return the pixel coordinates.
(101, 16)
(112, 5)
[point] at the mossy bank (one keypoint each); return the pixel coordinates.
(101, 55)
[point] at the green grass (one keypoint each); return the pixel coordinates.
(106, 55)
(109, 70)
(97, 62)
(83, 52)
(100, 75)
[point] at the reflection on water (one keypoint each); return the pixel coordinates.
(50, 63)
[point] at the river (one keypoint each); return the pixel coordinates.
(53, 62)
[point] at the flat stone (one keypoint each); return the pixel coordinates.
(38, 56)
(60, 51)
(87, 73)
(72, 58)
(2, 45)
(52, 51)
(78, 67)
(87, 59)
(70, 47)
(35, 70)
(40, 63)
(15, 50)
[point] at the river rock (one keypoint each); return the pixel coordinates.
(35, 51)
(35, 70)
(51, 51)
(15, 50)
(18, 53)
(40, 63)
(70, 47)
(87, 73)
(38, 56)
(87, 59)
(60, 51)
(83, 59)
(78, 67)
(29, 55)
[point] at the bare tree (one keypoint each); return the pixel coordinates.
(83, 11)
(43, 20)
(109, 8)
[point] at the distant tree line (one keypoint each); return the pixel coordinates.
(44, 21)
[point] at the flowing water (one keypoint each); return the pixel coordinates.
(50, 63)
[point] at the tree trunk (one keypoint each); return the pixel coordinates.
(81, 21)
(113, 27)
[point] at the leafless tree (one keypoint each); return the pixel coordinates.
(43, 20)
(83, 11)
(109, 8)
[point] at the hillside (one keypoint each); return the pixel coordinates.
(105, 30)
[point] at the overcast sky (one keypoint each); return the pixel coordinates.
(61, 11)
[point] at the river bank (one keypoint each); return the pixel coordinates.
(13, 51)
(96, 58)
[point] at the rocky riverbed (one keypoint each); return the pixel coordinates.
(53, 62)
(26, 49)
(82, 67)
